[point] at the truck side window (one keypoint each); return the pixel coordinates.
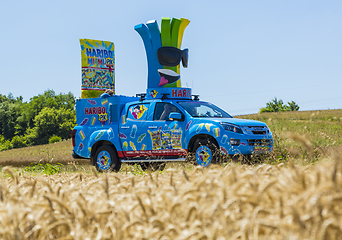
(162, 111)
(138, 112)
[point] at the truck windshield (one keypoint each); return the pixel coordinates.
(203, 109)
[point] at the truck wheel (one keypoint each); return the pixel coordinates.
(205, 152)
(153, 166)
(106, 159)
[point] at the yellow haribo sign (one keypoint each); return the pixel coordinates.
(98, 61)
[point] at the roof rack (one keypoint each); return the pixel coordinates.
(164, 96)
(196, 97)
(141, 95)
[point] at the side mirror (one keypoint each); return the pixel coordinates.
(175, 116)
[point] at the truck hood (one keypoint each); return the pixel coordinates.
(239, 122)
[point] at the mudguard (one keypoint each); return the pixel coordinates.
(196, 127)
(109, 134)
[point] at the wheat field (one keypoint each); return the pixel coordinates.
(295, 193)
(231, 202)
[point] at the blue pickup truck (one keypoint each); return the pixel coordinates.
(160, 126)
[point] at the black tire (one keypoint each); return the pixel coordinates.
(153, 166)
(106, 159)
(206, 152)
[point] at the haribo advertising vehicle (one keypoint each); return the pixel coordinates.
(167, 122)
(162, 128)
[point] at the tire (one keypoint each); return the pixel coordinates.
(106, 159)
(205, 152)
(153, 166)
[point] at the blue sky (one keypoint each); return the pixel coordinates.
(242, 54)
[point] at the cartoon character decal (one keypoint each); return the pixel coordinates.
(138, 112)
(103, 160)
(203, 156)
(153, 93)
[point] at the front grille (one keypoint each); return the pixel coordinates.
(256, 130)
(259, 142)
(259, 132)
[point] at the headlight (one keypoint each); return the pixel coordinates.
(231, 127)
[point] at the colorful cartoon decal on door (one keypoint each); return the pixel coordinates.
(138, 112)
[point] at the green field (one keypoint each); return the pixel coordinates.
(295, 193)
(305, 137)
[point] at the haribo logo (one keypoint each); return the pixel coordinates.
(186, 93)
(94, 110)
(99, 56)
(100, 53)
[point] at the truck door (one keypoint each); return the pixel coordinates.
(166, 135)
(133, 130)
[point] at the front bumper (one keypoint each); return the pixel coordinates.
(248, 146)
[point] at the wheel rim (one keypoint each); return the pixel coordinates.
(203, 156)
(104, 160)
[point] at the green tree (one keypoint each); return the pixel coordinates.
(278, 106)
(8, 117)
(48, 99)
(25, 123)
(18, 142)
(292, 106)
(51, 121)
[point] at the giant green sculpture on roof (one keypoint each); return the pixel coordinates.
(163, 51)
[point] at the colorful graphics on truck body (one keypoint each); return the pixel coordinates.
(138, 131)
